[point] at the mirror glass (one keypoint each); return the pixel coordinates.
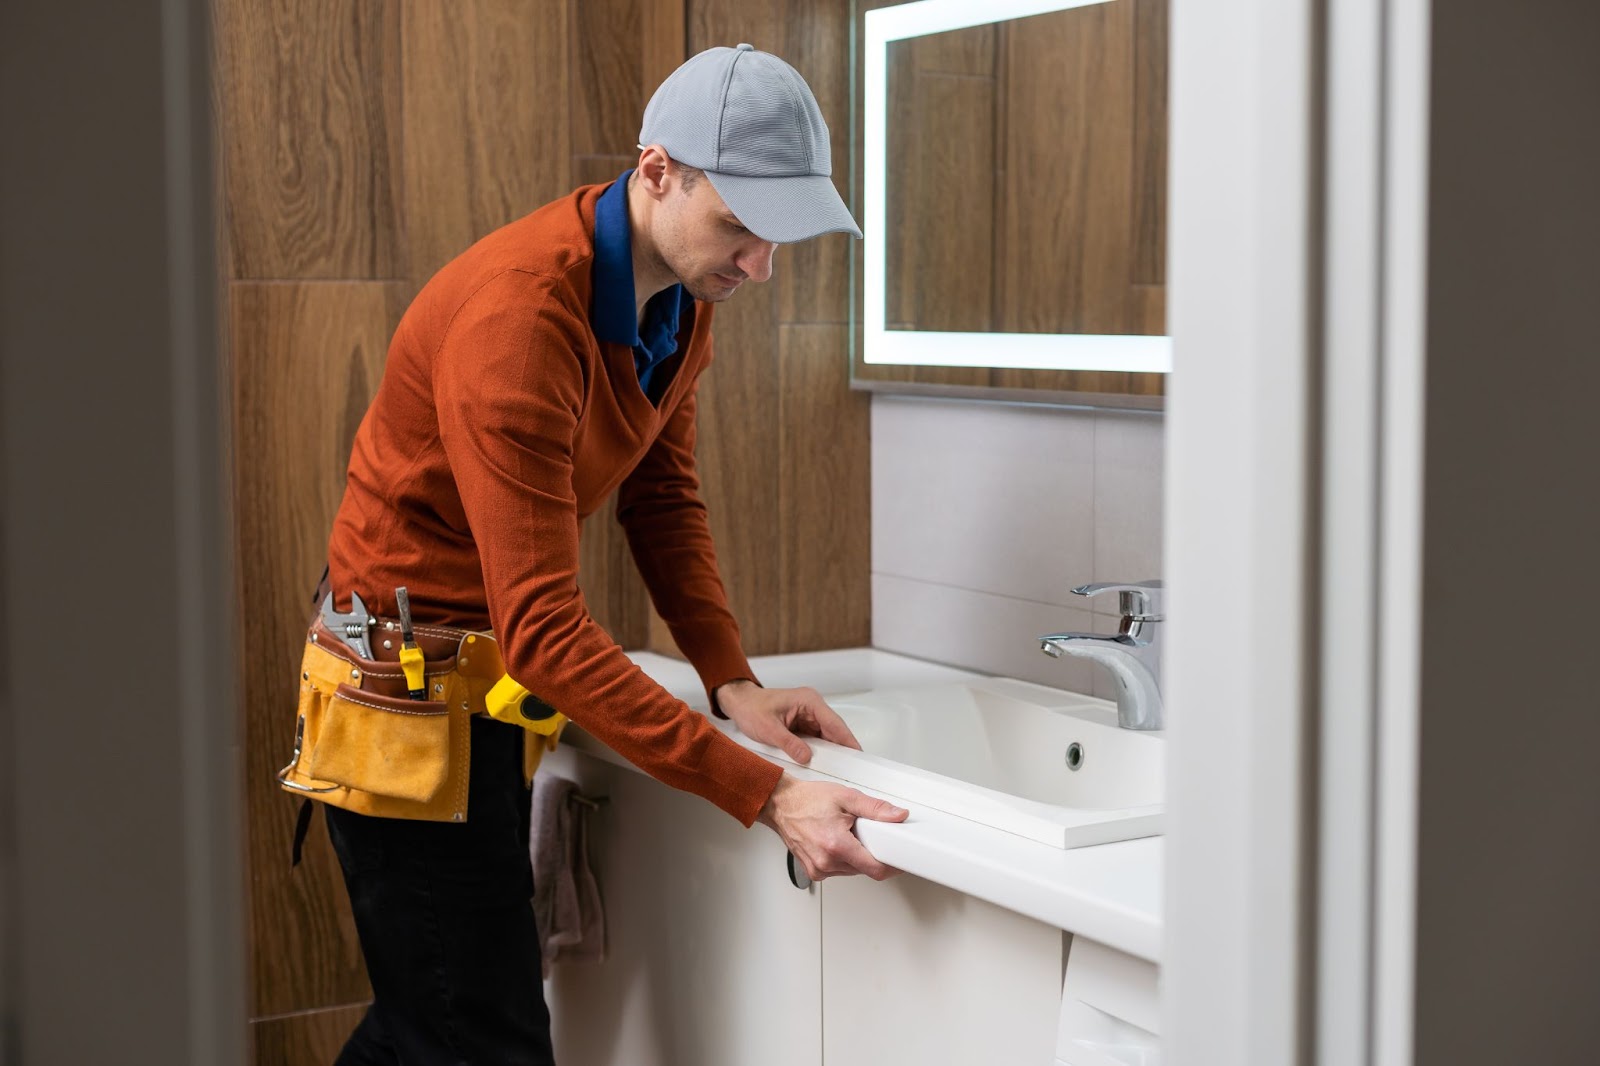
(1012, 184)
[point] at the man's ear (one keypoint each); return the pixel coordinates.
(652, 169)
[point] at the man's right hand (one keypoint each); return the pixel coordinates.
(816, 820)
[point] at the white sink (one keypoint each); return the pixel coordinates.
(1001, 752)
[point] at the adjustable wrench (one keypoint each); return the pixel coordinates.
(352, 627)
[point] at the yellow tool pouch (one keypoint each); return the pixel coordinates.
(360, 743)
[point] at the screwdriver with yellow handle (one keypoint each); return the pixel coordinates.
(411, 660)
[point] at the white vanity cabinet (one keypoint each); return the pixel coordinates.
(714, 958)
(914, 972)
(712, 954)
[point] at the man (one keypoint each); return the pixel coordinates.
(554, 362)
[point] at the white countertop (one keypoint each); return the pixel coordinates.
(1108, 892)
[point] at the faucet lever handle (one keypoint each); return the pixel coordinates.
(1142, 600)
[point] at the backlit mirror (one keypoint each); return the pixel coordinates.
(1010, 174)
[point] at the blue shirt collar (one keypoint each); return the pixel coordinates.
(612, 314)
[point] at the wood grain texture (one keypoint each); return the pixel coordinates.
(944, 233)
(825, 502)
(487, 131)
(813, 277)
(306, 1038)
(309, 121)
(737, 456)
(904, 184)
(664, 36)
(1150, 121)
(1065, 228)
(307, 361)
(608, 72)
(967, 51)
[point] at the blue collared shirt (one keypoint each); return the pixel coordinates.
(613, 314)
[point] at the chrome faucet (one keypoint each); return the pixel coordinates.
(1132, 654)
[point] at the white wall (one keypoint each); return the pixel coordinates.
(985, 515)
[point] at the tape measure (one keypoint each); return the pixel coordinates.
(510, 702)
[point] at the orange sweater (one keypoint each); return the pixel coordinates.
(500, 422)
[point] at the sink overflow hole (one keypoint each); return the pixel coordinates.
(1075, 756)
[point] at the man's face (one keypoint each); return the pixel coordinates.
(706, 247)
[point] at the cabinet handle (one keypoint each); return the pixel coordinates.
(797, 873)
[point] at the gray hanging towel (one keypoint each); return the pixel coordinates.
(566, 898)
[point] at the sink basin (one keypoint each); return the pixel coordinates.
(1049, 765)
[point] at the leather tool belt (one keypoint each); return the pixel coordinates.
(362, 744)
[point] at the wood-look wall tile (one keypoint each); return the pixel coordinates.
(813, 277)
(1150, 118)
(825, 497)
(306, 1038)
(307, 361)
(608, 75)
(597, 169)
(486, 120)
(737, 455)
(725, 23)
(310, 125)
(665, 32)
(1148, 308)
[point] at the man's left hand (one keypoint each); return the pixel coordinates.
(781, 716)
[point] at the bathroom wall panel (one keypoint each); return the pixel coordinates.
(824, 550)
(991, 498)
(1128, 483)
(813, 277)
(664, 33)
(307, 361)
(306, 1038)
(310, 137)
(608, 65)
(1150, 47)
(978, 631)
(487, 133)
(737, 453)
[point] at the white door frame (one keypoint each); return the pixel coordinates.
(1293, 537)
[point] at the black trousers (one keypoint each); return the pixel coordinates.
(444, 911)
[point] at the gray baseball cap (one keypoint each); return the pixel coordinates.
(749, 121)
